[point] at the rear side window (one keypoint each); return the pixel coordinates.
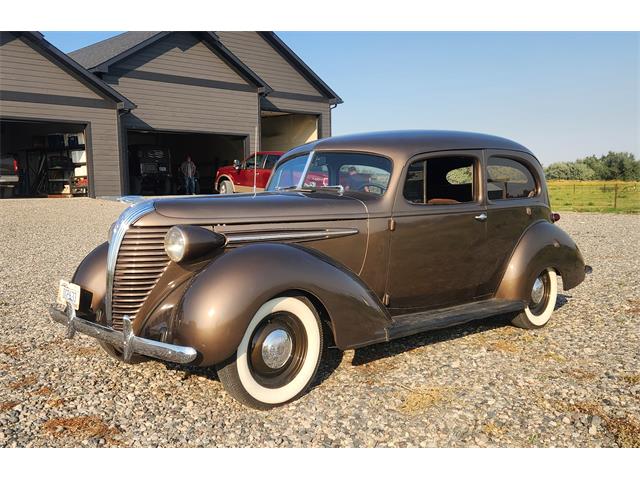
(440, 181)
(509, 179)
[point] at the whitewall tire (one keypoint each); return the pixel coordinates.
(278, 355)
(542, 302)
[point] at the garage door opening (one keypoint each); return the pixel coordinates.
(154, 160)
(283, 131)
(43, 159)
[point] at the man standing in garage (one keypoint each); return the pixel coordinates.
(188, 169)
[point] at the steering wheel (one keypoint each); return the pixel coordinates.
(374, 185)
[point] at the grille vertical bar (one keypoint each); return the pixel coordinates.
(118, 230)
(140, 263)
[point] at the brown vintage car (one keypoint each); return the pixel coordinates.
(415, 230)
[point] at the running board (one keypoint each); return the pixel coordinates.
(412, 323)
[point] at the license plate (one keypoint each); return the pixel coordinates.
(69, 293)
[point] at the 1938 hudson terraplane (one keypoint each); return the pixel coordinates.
(410, 231)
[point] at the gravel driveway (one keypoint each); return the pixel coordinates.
(574, 383)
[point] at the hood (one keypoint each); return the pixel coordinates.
(260, 208)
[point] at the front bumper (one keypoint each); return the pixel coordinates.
(125, 341)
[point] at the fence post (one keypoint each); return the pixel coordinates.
(615, 197)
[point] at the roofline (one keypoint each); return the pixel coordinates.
(210, 39)
(225, 52)
(302, 67)
(123, 103)
(104, 66)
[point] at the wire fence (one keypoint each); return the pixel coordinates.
(593, 196)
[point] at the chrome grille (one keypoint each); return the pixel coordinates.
(140, 262)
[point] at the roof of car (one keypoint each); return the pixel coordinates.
(404, 144)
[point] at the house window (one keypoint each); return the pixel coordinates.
(509, 179)
(441, 181)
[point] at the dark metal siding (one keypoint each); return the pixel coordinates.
(285, 80)
(179, 84)
(35, 88)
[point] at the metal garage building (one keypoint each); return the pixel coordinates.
(214, 96)
(44, 92)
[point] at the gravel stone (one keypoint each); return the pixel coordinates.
(575, 382)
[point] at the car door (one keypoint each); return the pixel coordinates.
(515, 200)
(438, 236)
(264, 170)
(245, 176)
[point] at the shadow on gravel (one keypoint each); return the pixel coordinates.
(190, 371)
(561, 301)
(372, 353)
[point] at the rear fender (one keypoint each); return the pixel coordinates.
(221, 300)
(543, 245)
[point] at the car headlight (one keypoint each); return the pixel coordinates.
(175, 244)
(186, 242)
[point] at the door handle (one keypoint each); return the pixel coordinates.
(481, 218)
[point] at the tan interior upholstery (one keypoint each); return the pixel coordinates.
(442, 201)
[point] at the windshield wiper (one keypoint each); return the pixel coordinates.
(292, 188)
(295, 188)
(336, 188)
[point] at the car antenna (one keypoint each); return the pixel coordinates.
(255, 164)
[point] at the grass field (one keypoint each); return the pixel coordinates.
(595, 196)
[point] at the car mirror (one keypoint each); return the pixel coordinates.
(236, 164)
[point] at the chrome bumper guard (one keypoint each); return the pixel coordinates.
(125, 341)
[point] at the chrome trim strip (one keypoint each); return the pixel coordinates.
(236, 239)
(125, 220)
(306, 169)
(126, 341)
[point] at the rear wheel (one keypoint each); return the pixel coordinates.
(224, 187)
(278, 355)
(542, 301)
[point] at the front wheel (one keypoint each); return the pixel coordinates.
(278, 355)
(542, 301)
(225, 187)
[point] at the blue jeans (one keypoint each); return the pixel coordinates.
(189, 185)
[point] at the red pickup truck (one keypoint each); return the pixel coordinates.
(239, 177)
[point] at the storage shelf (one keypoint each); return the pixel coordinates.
(57, 150)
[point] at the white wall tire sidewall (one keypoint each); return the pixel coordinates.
(274, 396)
(543, 318)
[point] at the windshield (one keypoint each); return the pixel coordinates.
(356, 172)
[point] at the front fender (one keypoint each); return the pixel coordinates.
(91, 275)
(221, 300)
(543, 245)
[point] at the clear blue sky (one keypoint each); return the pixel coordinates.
(563, 95)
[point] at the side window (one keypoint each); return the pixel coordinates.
(250, 162)
(441, 181)
(270, 161)
(508, 178)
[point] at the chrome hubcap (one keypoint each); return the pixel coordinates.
(537, 292)
(276, 349)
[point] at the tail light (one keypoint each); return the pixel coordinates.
(15, 165)
(555, 217)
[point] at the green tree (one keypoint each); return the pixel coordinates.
(569, 171)
(612, 166)
(621, 166)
